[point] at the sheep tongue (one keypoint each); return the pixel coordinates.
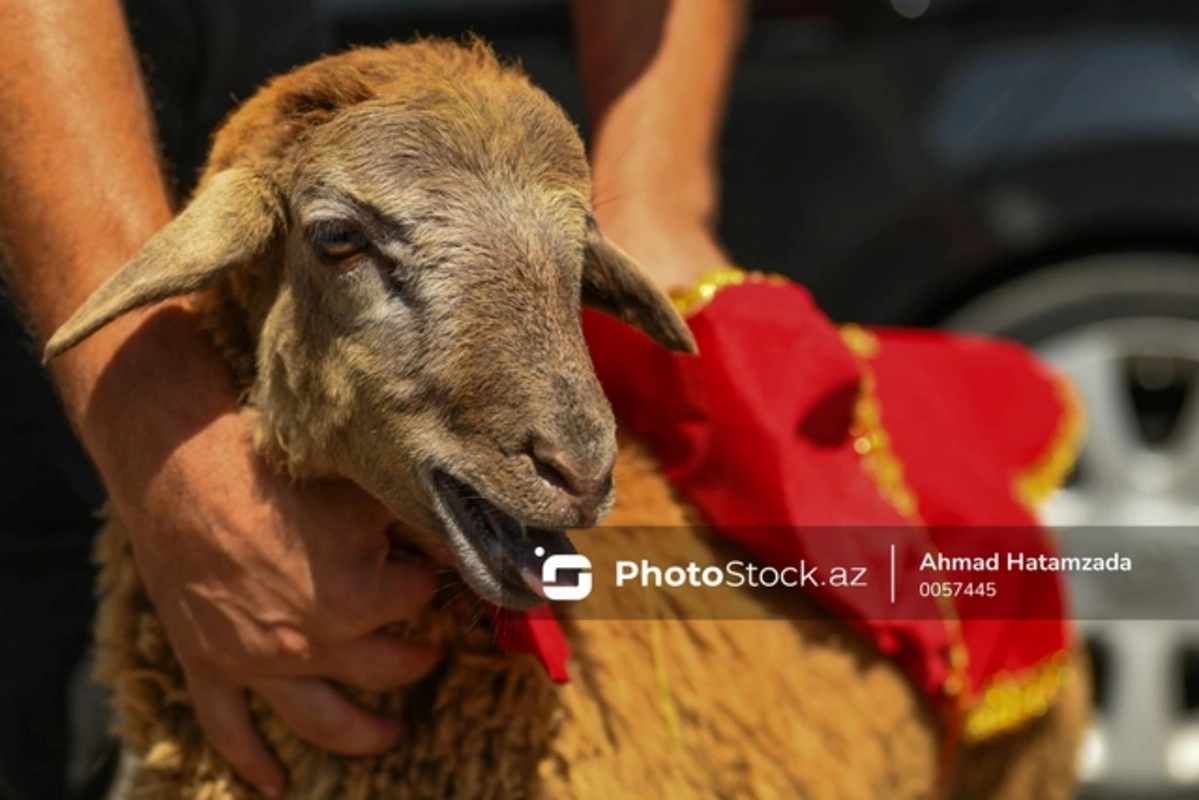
(544, 543)
(554, 542)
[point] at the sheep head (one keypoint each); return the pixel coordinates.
(400, 240)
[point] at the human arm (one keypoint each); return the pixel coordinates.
(657, 75)
(260, 585)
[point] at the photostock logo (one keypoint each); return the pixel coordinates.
(560, 587)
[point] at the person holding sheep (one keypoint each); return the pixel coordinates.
(254, 589)
(253, 593)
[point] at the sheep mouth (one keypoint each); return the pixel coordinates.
(499, 557)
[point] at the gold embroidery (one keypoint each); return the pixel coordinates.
(1038, 482)
(862, 342)
(884, 468)
(710, 284)
(879, 462)
(1009, 701)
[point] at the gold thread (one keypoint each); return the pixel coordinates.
(884, 467)
(1009, 701)
(662, 679)
(879, 461)
(688, 301)
(1036, 484)
(862, 342)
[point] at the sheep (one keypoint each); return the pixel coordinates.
(389, 247)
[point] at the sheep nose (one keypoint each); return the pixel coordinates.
(587, 480)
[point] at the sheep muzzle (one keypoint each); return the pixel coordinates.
(509, 553)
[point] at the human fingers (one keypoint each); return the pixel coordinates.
(225, 720)
(323, 716)
(380, 663)
(365, 596)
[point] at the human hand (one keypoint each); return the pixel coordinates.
(260, 585)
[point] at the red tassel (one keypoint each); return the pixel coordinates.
(534, 631)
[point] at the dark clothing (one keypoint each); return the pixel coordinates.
(201, 57)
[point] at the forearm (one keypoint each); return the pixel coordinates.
(83, 188)
(657, 75)
(83, 191)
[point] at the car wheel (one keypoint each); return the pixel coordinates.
(1125, 328)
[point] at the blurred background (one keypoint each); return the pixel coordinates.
(1027, 168)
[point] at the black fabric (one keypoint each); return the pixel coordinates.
(201, 57)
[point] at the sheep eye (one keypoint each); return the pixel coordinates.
(335, 240)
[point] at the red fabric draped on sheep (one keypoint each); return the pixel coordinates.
(835, 448)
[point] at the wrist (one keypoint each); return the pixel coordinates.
(675, 250)
(662, 188)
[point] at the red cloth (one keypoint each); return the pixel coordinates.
(759, 433)
(533, 631)
(996, 410)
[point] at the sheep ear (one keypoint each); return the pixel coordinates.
(233, 219)
(615, 285)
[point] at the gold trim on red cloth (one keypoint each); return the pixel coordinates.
(879, 461)
(1007, 701)
(1046, 475)
(860, 341)
(710, 283)
(1010, 701)
(885, 469)
(871, 442)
